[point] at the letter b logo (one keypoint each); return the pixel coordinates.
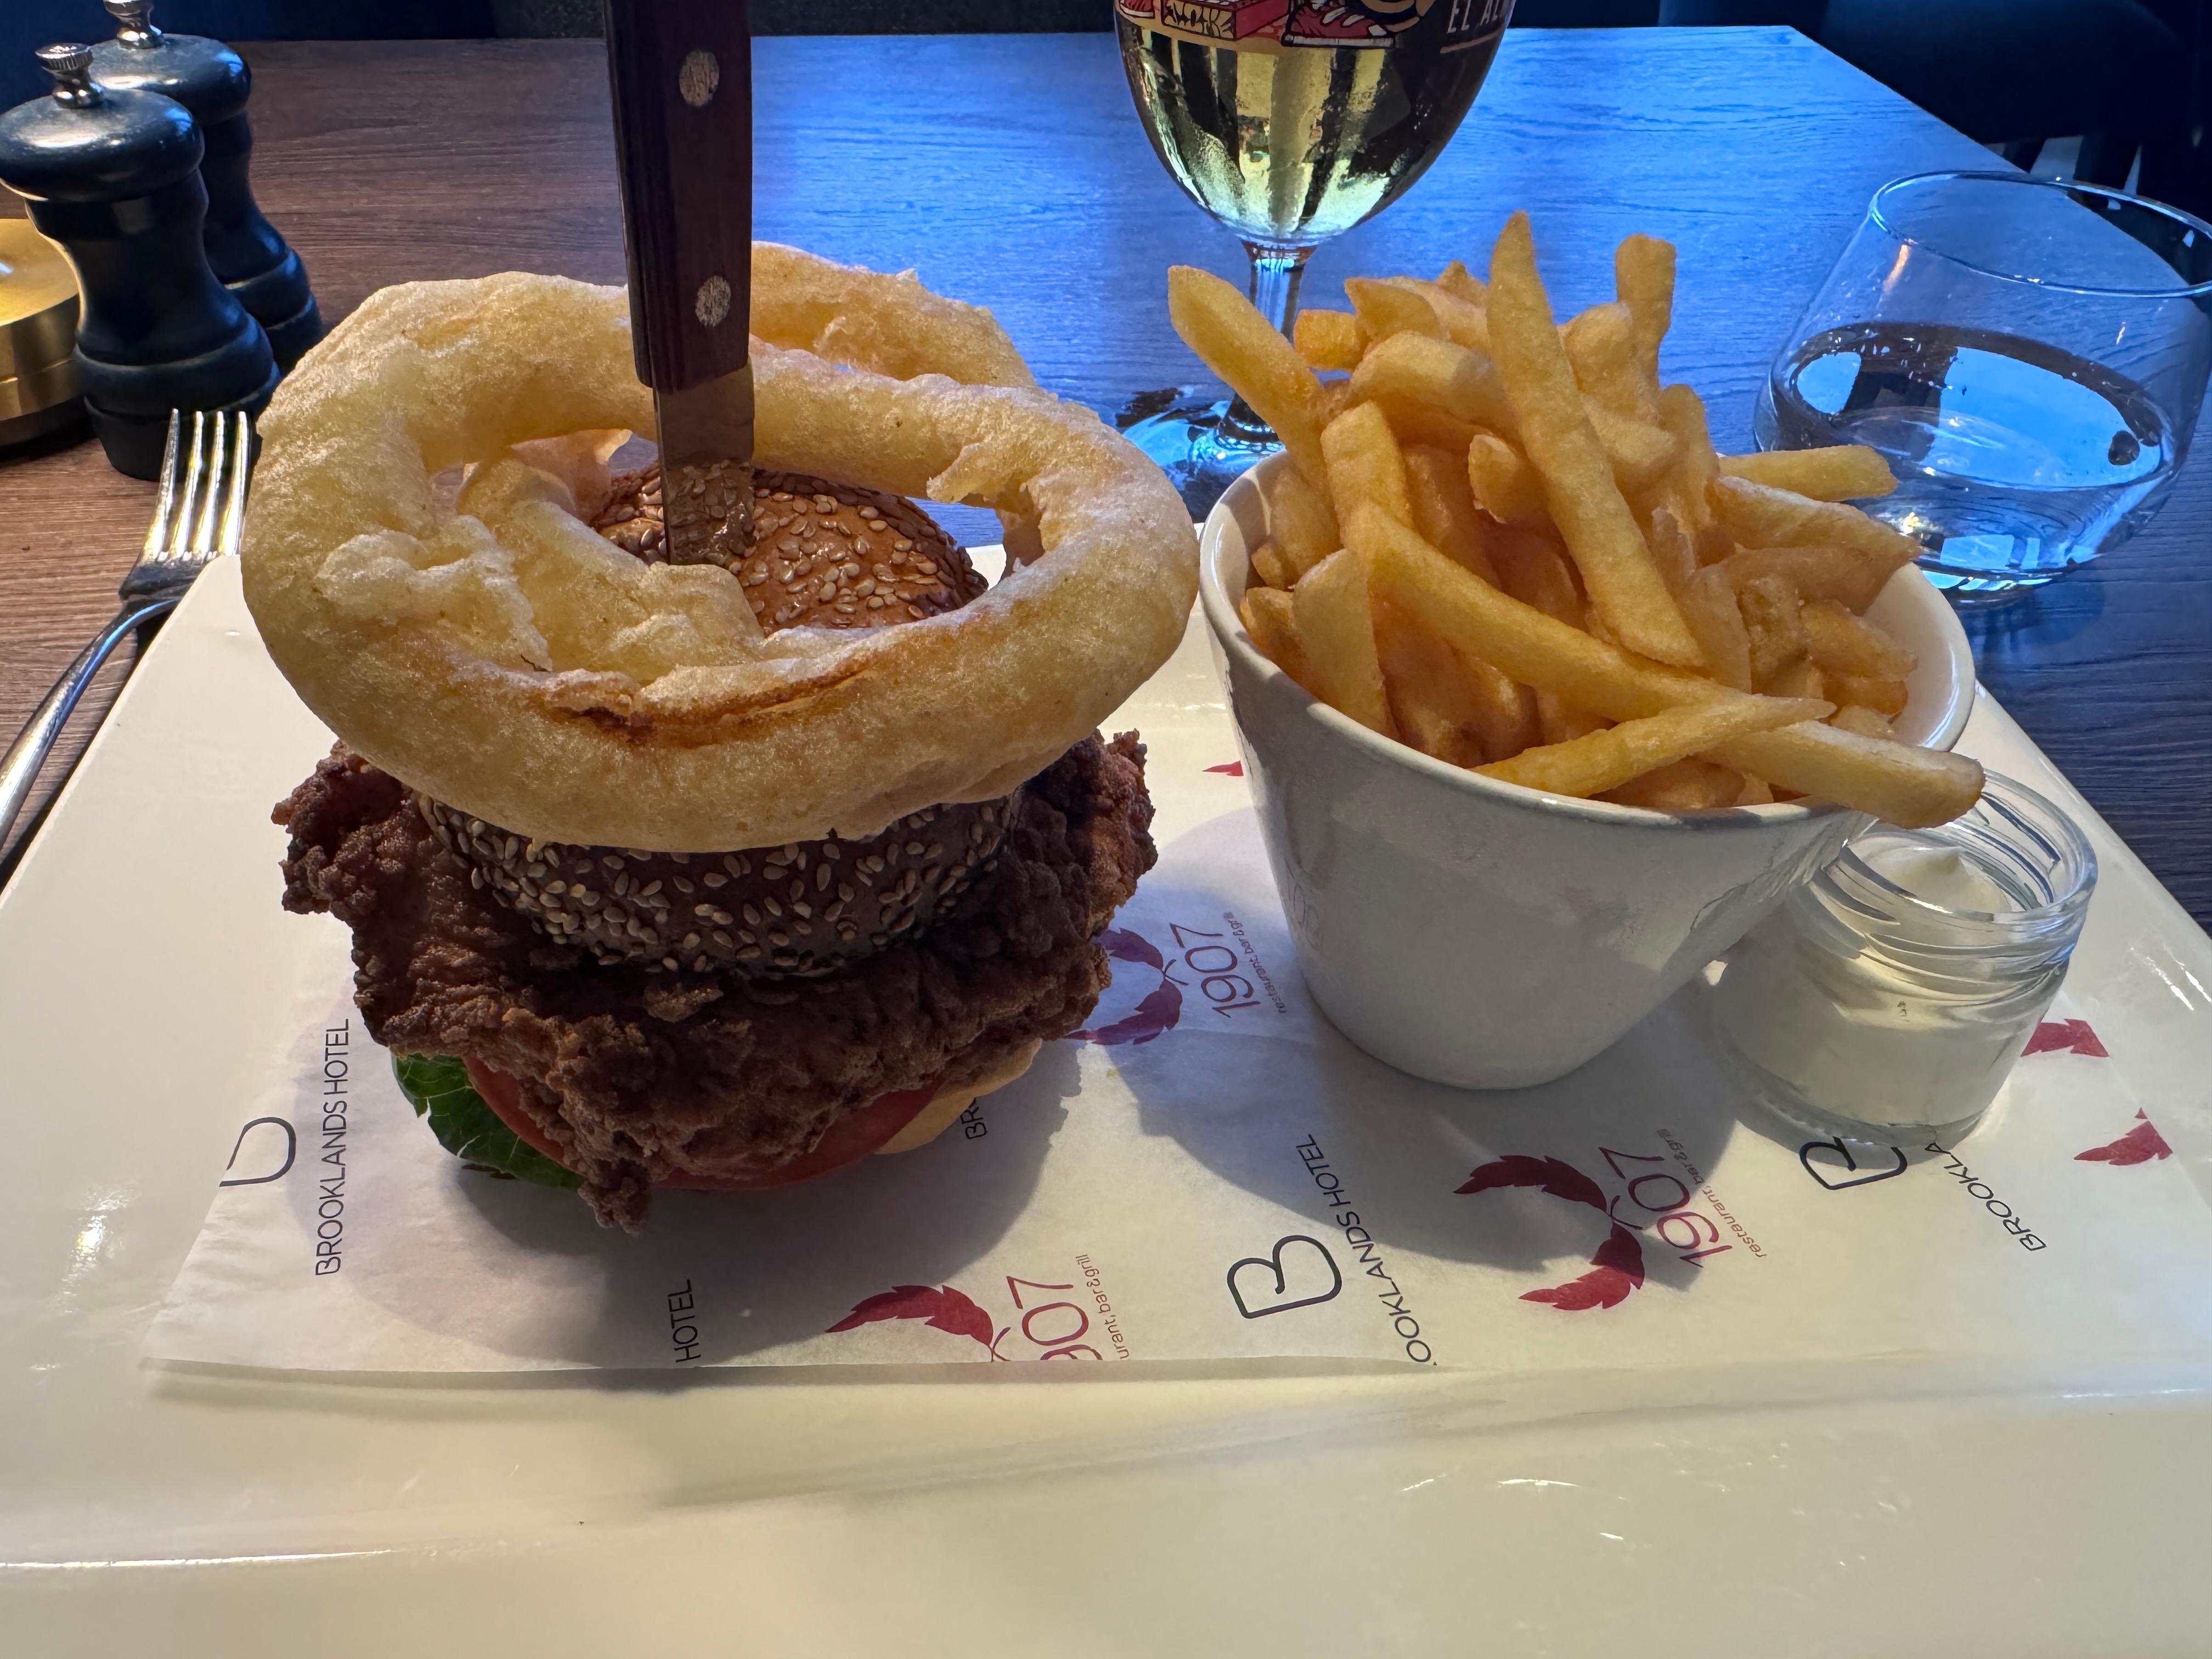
(1297, 1274)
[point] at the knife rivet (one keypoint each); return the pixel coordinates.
(698, 77)
(713, 303)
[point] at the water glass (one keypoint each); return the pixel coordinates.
(2028, 355)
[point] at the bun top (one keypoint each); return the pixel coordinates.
(823, 555)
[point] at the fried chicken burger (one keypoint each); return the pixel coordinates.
(718, 875)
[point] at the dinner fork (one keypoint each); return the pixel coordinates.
(202, 508)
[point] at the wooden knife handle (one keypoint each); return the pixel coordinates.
(682, 75)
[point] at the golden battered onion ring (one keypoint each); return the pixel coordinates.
(503, 657)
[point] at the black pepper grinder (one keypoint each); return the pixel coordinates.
(212, 81)
(114, 177)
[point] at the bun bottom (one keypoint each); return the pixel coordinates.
(945, 1106)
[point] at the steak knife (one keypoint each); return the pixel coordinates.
(681, 72)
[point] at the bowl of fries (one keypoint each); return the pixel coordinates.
(1543, 702)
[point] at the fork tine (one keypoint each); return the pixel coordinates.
(233, 504)
(157, 533)
(188, 498)
(210, 498)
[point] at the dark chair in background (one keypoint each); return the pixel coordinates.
(2120, 74)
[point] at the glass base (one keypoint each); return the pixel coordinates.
(1195, 438)
(1792, 1106)
(1978, 593)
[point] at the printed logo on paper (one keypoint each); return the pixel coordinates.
(1043, 1326)
(264, 1149)
(1658, 1202)
(1217, 964)
(1298, 1273)
(1835, 1166)
(2140, 1144)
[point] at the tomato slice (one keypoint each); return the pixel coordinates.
(851, 1139)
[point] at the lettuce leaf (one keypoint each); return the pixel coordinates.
(437, 1086)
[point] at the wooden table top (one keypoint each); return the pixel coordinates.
(1011, 171)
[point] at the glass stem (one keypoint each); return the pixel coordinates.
(1277, 270)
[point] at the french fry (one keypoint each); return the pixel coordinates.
(1609, 758)
(1644, 277)
(1410, 368)
(1687, 786)
(1842, 574)
(1884, 697)
(1428, 693)
(1364, 463)
(1300, 522)
(1709, 606)
(1271, 567)
(1504, 711)
(1444, 508)
(1770, 618)
(1843, 644)
(1335, 624)
(1910, 787)
(1672, 552)
(1601, 345)
(1418, 369)
(1504, 485)
(1267, 615)
(1464, 323)
(1329, 339)
(1801, 678)
(1424, 423)
(1233, 340)
(1861, 721)
(1639, 452)
(1333, 398)
(1713, 544)
(1839, 472)
(1758, 516)
(1756, 792)
(1534, 569)
(1386, 307)
(1456, 278)
(1682, 416)
(1586, 505)
(1559, 720)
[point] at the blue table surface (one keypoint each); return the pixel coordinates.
(1011, 170)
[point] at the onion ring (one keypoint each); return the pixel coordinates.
(503, 657)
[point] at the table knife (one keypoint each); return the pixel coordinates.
(682, 76)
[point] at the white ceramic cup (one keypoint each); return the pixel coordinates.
(1488, 936)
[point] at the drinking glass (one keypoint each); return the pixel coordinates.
(2028, 355)
(1289, 121)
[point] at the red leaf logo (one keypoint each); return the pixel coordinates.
(1546, 1175)
(1232, 770)
(1616, 1269)
(2140, 1144)
(1124, 945)
(1162, 1006)
(943, 1308)
(2065, 1036)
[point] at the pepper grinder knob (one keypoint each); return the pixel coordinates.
(136, 17)
(71, 64)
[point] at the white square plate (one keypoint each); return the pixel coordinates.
(143, 957)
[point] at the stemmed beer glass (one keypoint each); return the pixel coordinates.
(1291, 121)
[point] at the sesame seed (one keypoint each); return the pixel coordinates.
(713, 879)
